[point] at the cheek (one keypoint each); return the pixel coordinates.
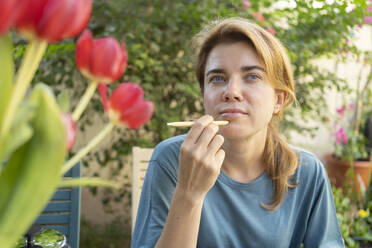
(263, 101)
(209, 102)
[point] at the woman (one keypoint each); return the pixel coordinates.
(238, 185)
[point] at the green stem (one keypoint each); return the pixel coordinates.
(87, 181)
(85, 150)
(84, 101)
(29, 65)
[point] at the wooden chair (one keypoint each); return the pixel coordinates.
(63, 211)
(140, 160)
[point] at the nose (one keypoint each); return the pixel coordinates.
(232, 91)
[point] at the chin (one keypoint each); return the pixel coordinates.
(231, 132)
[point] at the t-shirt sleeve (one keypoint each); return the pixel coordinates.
(154, 204)
(322, 228)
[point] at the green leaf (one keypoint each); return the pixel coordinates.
(87, 181)
(33, 170)
(63, 101)
(6, 73)
(368, 236)
(6, 83)
(21, 130)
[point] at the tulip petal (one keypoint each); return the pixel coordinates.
(8, 13)
(123, 63)
(56, 17)
(70, 129)
(106, 63)
(139, 114)
(125, 96)
(80, 19)
(53, 20)
(30, 13)
(102, 89)
(83, 51)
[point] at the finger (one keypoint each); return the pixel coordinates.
(220, 156)
(197, 128)
(215, 145)
(207, 135)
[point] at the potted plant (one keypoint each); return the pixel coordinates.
(352, 153)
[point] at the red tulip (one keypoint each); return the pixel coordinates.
(53, 20)
(102, 60)
(70, 130)
(126, 105)
(8, 13)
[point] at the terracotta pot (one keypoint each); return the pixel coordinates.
(337, 169)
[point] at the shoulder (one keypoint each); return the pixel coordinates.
(310, 169)
(168, 148)
(166, 153)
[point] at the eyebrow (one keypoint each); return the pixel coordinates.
(251, 68)
(244, 68)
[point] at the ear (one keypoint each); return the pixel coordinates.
(281, 97)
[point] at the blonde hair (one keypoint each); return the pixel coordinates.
(280, 160)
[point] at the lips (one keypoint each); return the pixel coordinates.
(232, 110)
(232, 113)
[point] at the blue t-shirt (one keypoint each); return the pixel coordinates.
(232, 215)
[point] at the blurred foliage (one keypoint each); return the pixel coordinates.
(114, 234)
(157, 34)
(356, 229)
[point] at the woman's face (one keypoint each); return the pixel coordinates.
(236, 88)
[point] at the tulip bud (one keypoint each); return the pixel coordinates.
(8, 13)
(102, 60)
(138, 114)
(70, 130)
(53, 20)
(125, 96)
(126, 106)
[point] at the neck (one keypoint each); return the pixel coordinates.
(244, 157)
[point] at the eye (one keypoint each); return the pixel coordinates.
(217, 79)
(252, 77)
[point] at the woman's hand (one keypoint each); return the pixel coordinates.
(200, 160)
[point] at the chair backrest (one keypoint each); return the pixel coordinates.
(140, 158)
(63, 211)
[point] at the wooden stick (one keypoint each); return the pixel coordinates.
(190, 123)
